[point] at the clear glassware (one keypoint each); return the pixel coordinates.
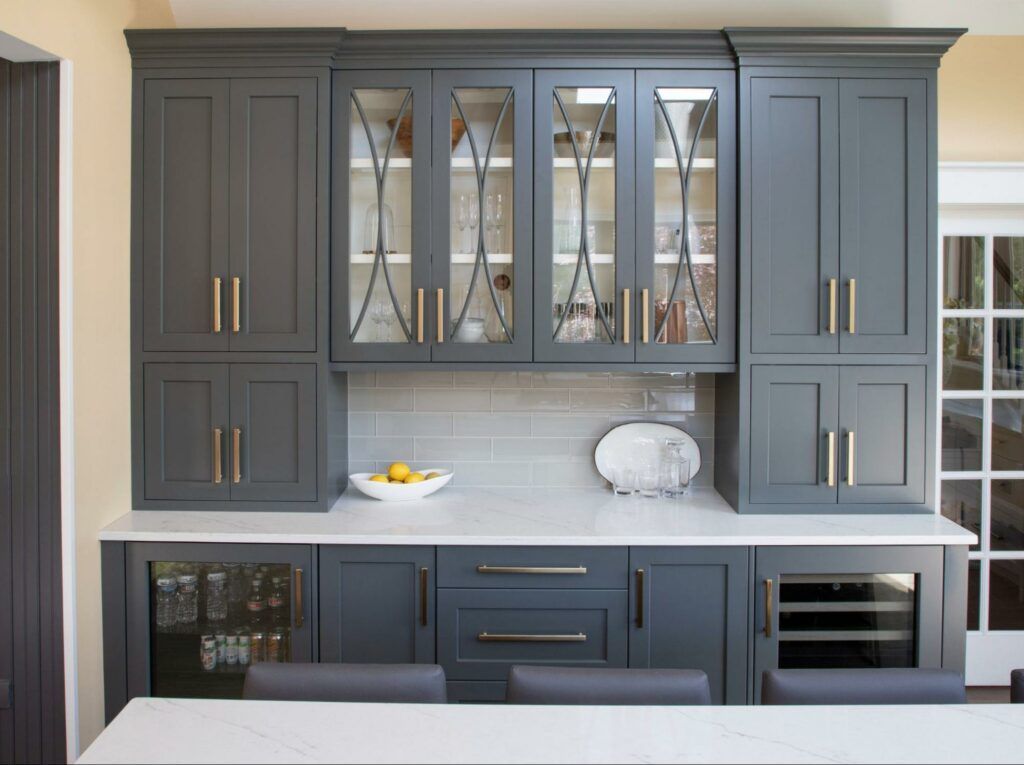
(489, 224)
(624, 481)
(188, 599)
(462, 221)
(647, 480)
(499, 224)
(216, 596)
(377, 219)
(675, 468)
(474, 223)
(166, 601)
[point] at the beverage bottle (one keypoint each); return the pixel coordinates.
(166, 602)
(256, 603)
(188, 599)
(216, 596)
(276, 603)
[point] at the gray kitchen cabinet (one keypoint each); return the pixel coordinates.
(688, 610)
(377, 604)
(847, 607)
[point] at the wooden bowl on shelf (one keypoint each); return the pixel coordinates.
(404, 137)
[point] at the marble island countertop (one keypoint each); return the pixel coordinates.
(474, 516)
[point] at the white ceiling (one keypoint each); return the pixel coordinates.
(980, 16)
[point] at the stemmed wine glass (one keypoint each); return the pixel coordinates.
(474, 222)
(499, 224)
(462, 220)
(380, 315)
(489, 224)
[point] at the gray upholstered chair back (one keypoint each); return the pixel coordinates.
(863, 686)
(1017, 686)
(572, 685)
(387, 683)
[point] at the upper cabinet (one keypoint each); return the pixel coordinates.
(838, 226)
(229, 214)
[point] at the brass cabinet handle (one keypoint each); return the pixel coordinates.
(849, 458)
(644, 321)
(236, 304)
(640, 598)
(625, 316)
(218, 468)
(419, 316)
(236, 458)
(217, 327)
(483, 568)
(423, 596)
(298, 598)
(853, 306)
(440, 315)
(831, 458)
(486, 637)
(831, 306)
(768, 606)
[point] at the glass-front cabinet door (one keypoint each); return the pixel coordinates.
(483, 224)
(584, 216)
(381, 219)
(685, 216)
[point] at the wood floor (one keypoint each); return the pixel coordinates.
(989, 694)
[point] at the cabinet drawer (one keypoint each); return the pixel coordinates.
(481, 633)
(561, 568)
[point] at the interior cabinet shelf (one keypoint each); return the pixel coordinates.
(505, 258)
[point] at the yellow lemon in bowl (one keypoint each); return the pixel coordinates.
(414, 478)
(434, 474)
(398, 471)
(379, 478)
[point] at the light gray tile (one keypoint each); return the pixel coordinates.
(698, 400)
(582, 448)
(653, 380)
(566, 474)
(492, 473)
(546, 400)
(608, 400)
(531, 448)
(571, 379)
(380, 400)
(413, 424)
(390, 448)
(361, 424)
(362, 466)
(461, 400)
(414, 379)
(382, 467)
(504, 424)
(593, 425)
(429, 448)
(361, 379)
(483, 379)
(696, 424)
(706, 476)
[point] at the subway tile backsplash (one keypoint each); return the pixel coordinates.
(517, 428)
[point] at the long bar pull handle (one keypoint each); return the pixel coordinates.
(644, 320)
(483, 568)
(236, 304)
(849, 458)
(218, 467)
(640, 598)
(831, 306)
(853, 306)
(769, 604)
(217, 318)
(487, 637)
(419, 316)
(424, 575)
(236, 455)
(625, 316)
(831, 458)
(299, 618)
(440, 315)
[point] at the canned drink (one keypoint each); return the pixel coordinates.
(231, 650)
(209, 652)
(275, 646)
(244, 653)
(257, 647)
(222, 647)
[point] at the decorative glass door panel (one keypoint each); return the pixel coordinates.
(584, 207)
(381, 216)
(685, 216)
(482, 230)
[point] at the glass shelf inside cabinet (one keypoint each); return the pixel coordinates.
(209, 622)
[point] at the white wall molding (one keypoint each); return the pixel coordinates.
(974, 184)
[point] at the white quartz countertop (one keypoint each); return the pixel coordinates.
(207, 730)
(466, 516)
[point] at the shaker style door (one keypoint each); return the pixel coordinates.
(685, 212)
(794, 204)
(186, 416)
(483, 224)
(584, 216)
(185, 215)
(884, 219)
(272, 442)
(794, 434)
(272, 287)
(380, 276)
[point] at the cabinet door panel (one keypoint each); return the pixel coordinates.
(273, 213)
(185, 213)
(692, 614)
(884, 409)
(184, 404)
(794, 197)
(371, 604)
(883, 167)
(793, 410)
(273, 432)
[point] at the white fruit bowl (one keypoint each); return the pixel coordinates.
(400, 492)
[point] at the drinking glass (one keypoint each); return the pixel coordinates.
(675, 477)
(647, 480)
(624, 481)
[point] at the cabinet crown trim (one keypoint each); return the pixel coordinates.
(920, 46)
(156, 47)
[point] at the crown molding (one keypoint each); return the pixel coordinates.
(201, 47)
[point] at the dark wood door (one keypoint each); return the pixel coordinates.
(377, 604)
(883, 168)
(186, 415)
(794, 434)
(273, 432)
(882, 412)
(794, 204)
(273, 214)
(688, 610)
(185, 215)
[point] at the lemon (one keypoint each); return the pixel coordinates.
(379, 478)
(435, 474)
(394, 481)
(414, 478)
(398, 471)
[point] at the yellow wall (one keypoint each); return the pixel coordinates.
(981, 118)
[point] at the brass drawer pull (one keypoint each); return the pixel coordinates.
(849, 458)
(424, 574)
(485, 569)
(831, 458)
(625, 316)
(769, 602)
(217, 327)
(236, 305)
(640, 598)
(831, 306)
(853, 306)
(440, 315)
(218, 468)
(236, 454)
(299, 618)
(644, 321)
(419, 315)
(487, 637)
